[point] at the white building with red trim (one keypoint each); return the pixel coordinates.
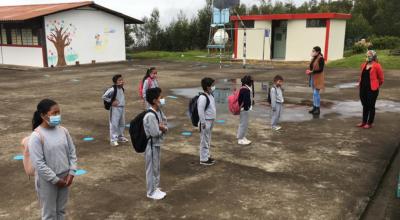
(289, 37)
(45, 35)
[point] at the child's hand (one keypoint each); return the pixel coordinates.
(274, 109)
(115, 103)
(308, 72)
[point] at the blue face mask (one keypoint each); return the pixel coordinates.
(54, 120)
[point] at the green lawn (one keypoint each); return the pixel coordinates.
(354, 61)
(193, 55)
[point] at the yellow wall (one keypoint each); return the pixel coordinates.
(336, 39)
(301, 40)
(254, 42)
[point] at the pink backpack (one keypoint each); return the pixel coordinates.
(233, 101)
(141, 86)
(29, 169)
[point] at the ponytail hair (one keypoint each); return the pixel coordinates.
(148, 72)
(248, 80)
(43, 107)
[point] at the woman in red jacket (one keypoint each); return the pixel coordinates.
(370, 80)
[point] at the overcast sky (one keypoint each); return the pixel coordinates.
(139, 8)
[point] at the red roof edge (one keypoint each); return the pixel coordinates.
(291, 16)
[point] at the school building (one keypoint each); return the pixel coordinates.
(289, 37)
(45, 35)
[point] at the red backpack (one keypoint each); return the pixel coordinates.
(141, 86)
(233, 101)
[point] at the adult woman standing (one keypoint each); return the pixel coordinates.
(53, 156)
(371, 79)
(316, 78)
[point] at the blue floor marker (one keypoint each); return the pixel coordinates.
(19, 157)
(220, 121)
(88, 138)
(186, 133)
(80, 172)
(172, 97)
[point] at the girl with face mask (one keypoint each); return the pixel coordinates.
(316, 78)
(371, 79)
(149, 81)
(155, 127)
(246, 103)
(53, 156)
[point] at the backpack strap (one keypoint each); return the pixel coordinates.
(150, 110)
(208, 100)
(114, 96)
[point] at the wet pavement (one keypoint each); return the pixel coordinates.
(323, 168)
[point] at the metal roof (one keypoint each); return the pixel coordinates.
(18, 13)
(291, 16)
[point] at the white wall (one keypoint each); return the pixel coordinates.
(336, 39)
(23, 56)
(301, 40)
(254, 41)
(85, 24)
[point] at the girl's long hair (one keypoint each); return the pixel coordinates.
(43, 107)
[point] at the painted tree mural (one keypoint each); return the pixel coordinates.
(60, 34)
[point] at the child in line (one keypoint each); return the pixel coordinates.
(149, 81)
(277, 100)
(206, 119)
(245, 103)
(53, 155)
(117, 111)
(155, 128)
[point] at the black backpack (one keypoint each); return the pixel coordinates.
(107, 105)
(193, 112)
(137, 133)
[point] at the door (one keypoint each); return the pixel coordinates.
(279, 39)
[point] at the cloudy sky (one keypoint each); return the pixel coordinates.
(139, 8)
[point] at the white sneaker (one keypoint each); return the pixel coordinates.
(161, 192)
(276, 128)
(114, 143)
(243, 142)
(123, 139)
(157, 195)
(248, 141)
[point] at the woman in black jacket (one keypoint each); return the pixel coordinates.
(245, 104)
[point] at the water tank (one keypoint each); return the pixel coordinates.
(221, 37)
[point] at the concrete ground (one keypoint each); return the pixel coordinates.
(321, 168)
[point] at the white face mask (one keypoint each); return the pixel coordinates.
(212, 88)
(162, 102)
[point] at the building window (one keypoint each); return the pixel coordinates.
(20, 36)
(247, 24)
(16, 37)
(3, 36)
(315, 23)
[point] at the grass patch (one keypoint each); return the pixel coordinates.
(193, 55)
(354, 61)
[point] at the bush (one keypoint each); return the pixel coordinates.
(385, 42)
(361, 46)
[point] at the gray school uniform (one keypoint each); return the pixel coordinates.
(153, 150)
(53, 160)
(146, 86)
(207, 117)
(277, 101)
(117, 114)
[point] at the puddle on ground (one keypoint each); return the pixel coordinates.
(349, 85)
(291, 112)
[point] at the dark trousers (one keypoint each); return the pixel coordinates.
(368, 100)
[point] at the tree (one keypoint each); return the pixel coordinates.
(357, 28)
(129, 41)
(60, 35)
(153, 28)
(386, 21)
